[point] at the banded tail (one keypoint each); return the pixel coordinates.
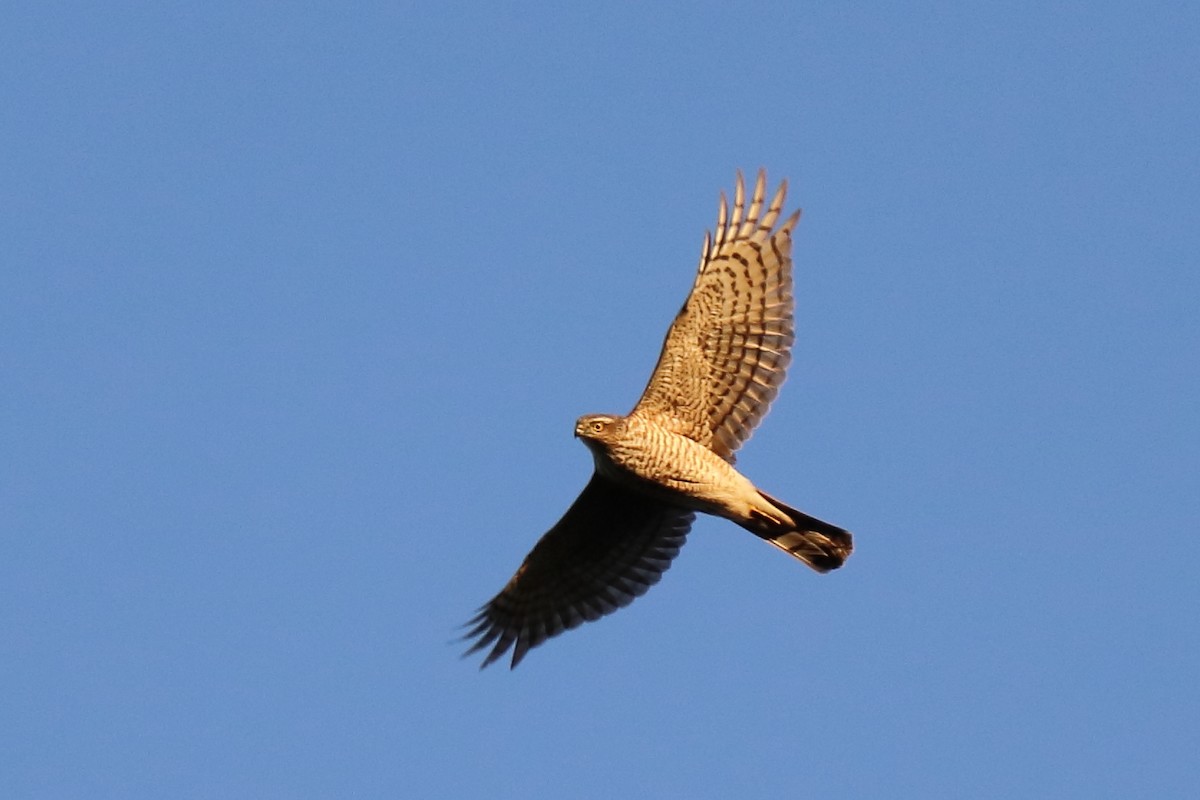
(818, 544)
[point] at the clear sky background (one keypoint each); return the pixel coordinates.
(298, 305)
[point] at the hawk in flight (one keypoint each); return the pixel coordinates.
(722, 363)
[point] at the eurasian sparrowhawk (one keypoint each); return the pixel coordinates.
(722, 363)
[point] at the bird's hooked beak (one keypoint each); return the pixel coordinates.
(583, 430)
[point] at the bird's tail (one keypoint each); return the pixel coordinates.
(820, 545)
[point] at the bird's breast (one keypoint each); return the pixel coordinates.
(671, 466)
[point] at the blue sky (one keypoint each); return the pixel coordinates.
(298, 306)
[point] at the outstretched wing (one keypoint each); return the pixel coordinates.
(610, 547)
(727, 352)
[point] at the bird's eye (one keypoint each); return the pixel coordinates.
(597, 427)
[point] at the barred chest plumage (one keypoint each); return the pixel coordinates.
(653, 459)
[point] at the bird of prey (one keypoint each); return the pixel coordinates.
(721, 365)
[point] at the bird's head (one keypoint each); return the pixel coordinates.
(597, 428)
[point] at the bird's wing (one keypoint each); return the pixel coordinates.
(610, 547)
(727, 351)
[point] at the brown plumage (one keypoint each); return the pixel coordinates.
(722, 363)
